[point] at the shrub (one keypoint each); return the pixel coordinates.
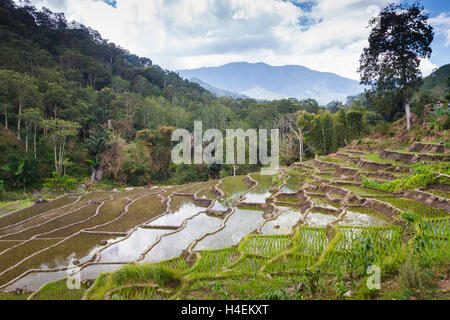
(162, 275)
(382, 128)
(61, 184)
(424, 175)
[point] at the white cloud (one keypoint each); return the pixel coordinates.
(427, 67)
(179, 34)
(441, 23)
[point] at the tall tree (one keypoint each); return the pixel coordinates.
(59, 131)
(32, 119)
(301, 124)
(399, 39)
(26, 93)
(97, 144)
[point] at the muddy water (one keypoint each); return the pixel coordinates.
(317, 219)
(181, 208)
(173, 245)
(283, 224)
(62, 261)
(33, 281)
(362, 219)
(130, 249)
(240, 223)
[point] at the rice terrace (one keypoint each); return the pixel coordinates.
(348, 200)
(195, 238)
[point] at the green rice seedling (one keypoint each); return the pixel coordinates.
(335, 261)
(58, 290)
(361, 191)
(249, 263)
(439, 193)
(177, 264)
(139, 293)
(265, 245)
(354, 248)
(310, 241)
(213, 261)
(290, 263)
(414, 206)
(439, 227)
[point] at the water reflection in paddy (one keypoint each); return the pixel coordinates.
(283, 224)
(361, 219)
(131, 248)
(240, 223)
(181, 208)
(173, 245)
(317, 219)
(34, 280)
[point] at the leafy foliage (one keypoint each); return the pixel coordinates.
(60, 184)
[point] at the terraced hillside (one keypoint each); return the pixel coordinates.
(316, 215)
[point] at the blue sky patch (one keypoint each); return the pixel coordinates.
(112, 3)
(304, 5)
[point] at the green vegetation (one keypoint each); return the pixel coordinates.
(414, 206)
(423, 176)
(78, 110)
(58, 291)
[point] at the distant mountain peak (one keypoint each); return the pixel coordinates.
(260, 80)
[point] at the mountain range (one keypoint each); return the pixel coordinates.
(265, 82)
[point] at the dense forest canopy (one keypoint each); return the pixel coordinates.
(73, 104)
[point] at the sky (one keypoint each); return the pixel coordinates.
(324, 35)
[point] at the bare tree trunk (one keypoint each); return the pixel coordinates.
(18, 120)
(407, 110)
(26, 140)
(6, 117)
(300, 142)
(408, 116)
(34, 142)
(97, 174)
